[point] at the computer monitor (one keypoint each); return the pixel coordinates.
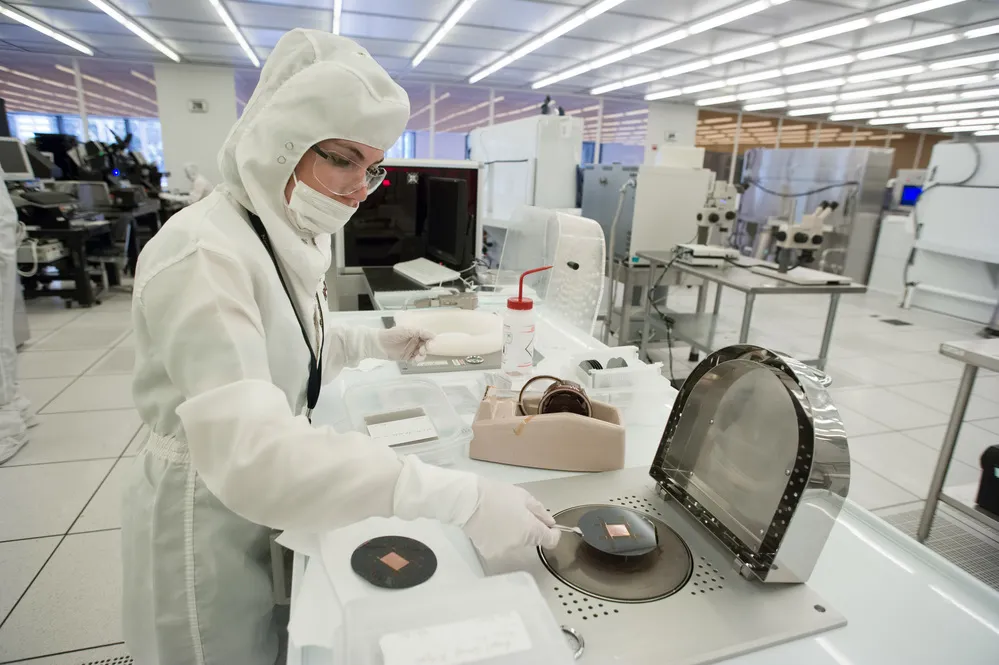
(42, 165)
(910, 194)
(14, 159)
(448, 228)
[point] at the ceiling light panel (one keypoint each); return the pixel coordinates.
(954, 129)
(814, 65)
(135, 28)
(743, 53)
(712, 101)
(762, 106)
(822, 33)
(579, 18)
(703, 87)
(935, 117)
(752, 78)
(927, 99)
(816, 85)
(926, 125)
(893, 121)
(965, 62)
(990, 104)
(812, 101)
(897, 72)
(976, 94)
(236, 33)
(853, 116)
(452, 19)
(907, 110)
(815, 110)
(984, 31)
(947, 83)
(872, 92)
(759, 94)
(912, 9)
(48, 31)
(663, 94)
(863, 106)
(905, 47)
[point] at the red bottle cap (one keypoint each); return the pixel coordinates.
(520, 304)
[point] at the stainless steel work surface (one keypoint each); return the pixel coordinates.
(978, 352)
(741, 278)
(716, 614)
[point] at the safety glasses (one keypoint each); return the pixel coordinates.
(343, 176)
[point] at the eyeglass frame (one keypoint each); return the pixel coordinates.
(371, 180)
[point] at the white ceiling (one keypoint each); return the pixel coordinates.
(394, 30)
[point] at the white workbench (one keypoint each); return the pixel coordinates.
(904, 604)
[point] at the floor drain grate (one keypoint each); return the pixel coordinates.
(963, 546)
(896, 322)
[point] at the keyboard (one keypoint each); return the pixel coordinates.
(425, 272)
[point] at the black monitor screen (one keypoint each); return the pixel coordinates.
(12, 159)
(447, 216)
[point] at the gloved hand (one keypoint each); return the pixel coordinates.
(404, 343)
(508, 517)
(496, 517)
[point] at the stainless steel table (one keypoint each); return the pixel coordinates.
(698, 329)
(974, 354)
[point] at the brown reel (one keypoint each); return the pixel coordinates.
(560, 397)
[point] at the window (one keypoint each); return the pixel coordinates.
(147, 138)
(404, 148)
(25, 125)
(101, 128)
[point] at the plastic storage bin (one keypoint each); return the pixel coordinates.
(373, 403)
(500, 620)
(639, 390)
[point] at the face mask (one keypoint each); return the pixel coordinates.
(315, 212)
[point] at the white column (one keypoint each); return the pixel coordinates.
(818, 132)
(735, 149)
(669, 125)
(600, 131)
(853, 137)
(433, 117)
(919, 150)
(780, 128)
(189, 135)
(80, 101)
(492, 106)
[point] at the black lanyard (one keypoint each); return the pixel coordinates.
(315, 364)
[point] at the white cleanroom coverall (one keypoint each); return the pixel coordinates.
(221, 373)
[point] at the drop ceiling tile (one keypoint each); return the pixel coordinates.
(430, 10)
(248, 15)
(190, 30)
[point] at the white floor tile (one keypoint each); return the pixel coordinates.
(119, 360)
(872, 491)
(941, 395)
(987, 387)
(19, 562)
(905, 462)
(64, 437)
(109, 655)
(857, 424)
(888, 408)
(990, 424)
(875, 372)
(90, 393)
(971, 442)
(101, 317)
(71, 338)
(138, 441)
(49, 364)
(75, 602)
(932, 367)
(40, 391)
(44, 500)
(50, 319)
(104, 510)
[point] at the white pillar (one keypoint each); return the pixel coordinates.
(853, 137)
(600, 130)
(190, 135)
(492, 106)
(919, 150)
(818, 133)
(735, 149)
(433, 117)
(780, 128)
(80, 101)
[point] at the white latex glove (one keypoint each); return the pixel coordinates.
(404, 343)
(507, 518)
(496, 517)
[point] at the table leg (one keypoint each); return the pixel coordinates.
(827, 333)
(947, 450)
(624, 329)
(702, 301)
(84, 289)
(747, 317)
(647, 313)
(718, 292)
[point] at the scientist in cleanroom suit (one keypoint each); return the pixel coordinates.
(15, 417)
(222, 368)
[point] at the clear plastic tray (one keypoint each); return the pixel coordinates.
(637, 375)
(371, 403)
(503, 619)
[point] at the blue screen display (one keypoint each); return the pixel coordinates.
(910, 194)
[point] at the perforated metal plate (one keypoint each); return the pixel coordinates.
(706, 621)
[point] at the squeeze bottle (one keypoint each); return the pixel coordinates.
(518, 331)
